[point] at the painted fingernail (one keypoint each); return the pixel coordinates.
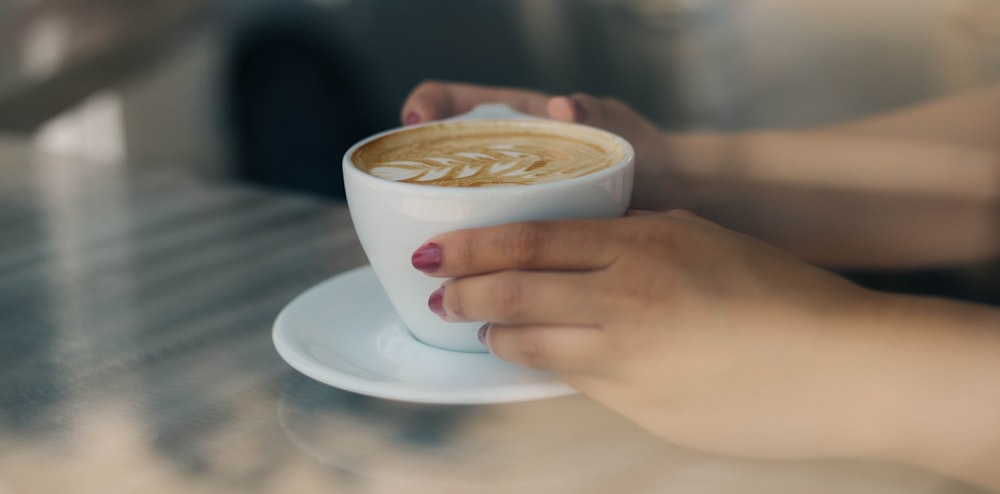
(411, 118)
(427, 258)
(436, 302)
(482, 334)
(579, 112)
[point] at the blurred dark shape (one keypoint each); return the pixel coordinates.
(978, 283)
(306, 82)
(303, 89)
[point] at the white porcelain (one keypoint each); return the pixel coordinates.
(344, 332)
(393, 219)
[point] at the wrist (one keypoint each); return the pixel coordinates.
(933, 398)
(687, 170)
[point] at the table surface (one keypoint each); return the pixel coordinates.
(136, 307)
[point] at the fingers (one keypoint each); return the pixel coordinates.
(557, 245)
(561, 349)
(673, 214)
(435, 100)
(552, 245)
(523, 297)
(606, 113)
(615, 116)
(566, 109)
(685, 215)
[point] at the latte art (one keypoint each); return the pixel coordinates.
(475, 154)
(495, 164)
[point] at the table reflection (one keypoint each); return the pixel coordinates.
(464, 447)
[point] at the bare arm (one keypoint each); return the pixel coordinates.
(916, 187)
(937, 391)
(970, 119)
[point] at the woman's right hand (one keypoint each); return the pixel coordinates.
(705, 337)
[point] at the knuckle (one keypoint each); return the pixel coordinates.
(453, 301)
(651, 231)
(682, 213)
(612, 101)
(509, 298)
(462, 254)
(533, 349)
(525, 242)
(608, 104)
(427, 84)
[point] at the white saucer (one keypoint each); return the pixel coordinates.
(343, 332)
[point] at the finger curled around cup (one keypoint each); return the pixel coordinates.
(566, 245)
(434, 100)
(523, 297)
(562, 349)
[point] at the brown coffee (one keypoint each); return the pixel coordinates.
(478, 153)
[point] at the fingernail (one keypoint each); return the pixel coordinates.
(482, 333)
(436, 302)
(579, 112)
(427, 258)
(411, 118)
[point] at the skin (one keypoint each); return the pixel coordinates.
(716, 339)
(860, 194)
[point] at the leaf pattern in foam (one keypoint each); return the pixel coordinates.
(516, 160)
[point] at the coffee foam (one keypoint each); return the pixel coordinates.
(480, 153)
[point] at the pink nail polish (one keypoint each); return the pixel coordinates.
(482, 333)
(427, 258)
(411, 118)
(436, 302)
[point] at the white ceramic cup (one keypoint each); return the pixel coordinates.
(393, 219)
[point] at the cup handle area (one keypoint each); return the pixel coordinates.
(491, 110)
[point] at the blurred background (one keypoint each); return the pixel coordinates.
(274, 91)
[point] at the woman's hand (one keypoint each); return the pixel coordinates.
(435, 100)
(706, 337)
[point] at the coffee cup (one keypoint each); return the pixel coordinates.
(488, 167)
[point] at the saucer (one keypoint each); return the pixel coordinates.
(343, 332)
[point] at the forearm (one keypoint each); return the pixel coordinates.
(970, 118)
(934, 392)
(836, 198)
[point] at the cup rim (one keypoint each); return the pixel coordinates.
(627, 160)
